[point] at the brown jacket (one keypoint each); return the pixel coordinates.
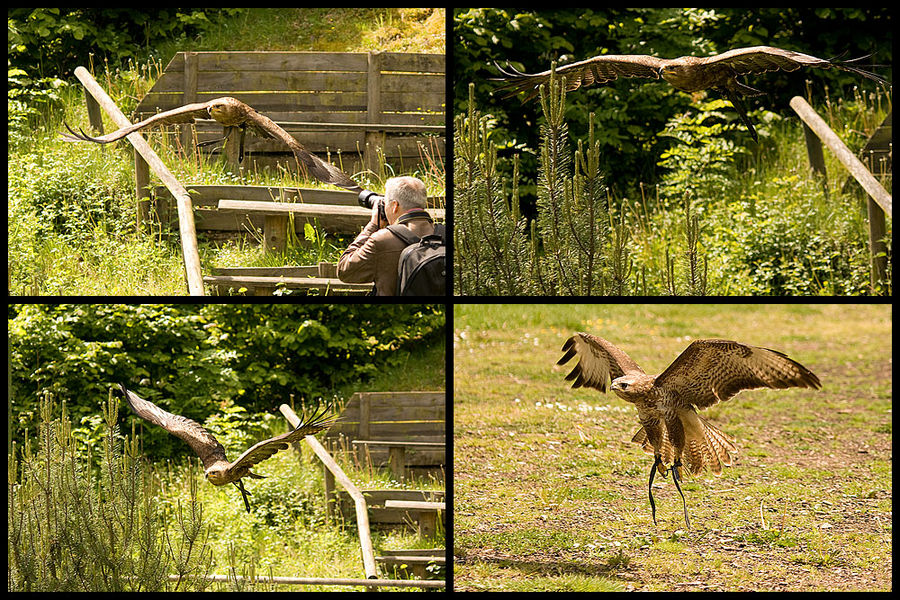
(375, 256)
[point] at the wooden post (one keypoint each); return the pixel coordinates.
(185, 209)
(374, 139)
(94, 115)
(189, 95)
(274, 233)
(142, 191)
(816, 156)
(232, 149)
(398, 462)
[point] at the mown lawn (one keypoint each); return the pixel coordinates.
(551, 495)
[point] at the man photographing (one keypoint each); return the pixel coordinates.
(399, 221)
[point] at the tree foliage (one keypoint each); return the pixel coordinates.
(199, 360)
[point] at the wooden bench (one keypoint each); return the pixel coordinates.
(397, 453)
(357, 107)
(225, 212)
(264, 281)
(393, 417)
(381, 515)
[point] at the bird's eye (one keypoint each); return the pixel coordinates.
(624, 386)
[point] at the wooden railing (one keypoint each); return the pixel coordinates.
(362, 511)
(97, 96)
(879, 203)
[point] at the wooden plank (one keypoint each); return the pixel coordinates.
(411, 559)
(275, 61)
(400, 443)
(415, 505)
(299, 271)
(262, 81)
(294, 208)
(209, 195)
(414, 62)
(298, 283)
(307, 210)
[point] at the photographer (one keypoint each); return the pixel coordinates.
(375, 254)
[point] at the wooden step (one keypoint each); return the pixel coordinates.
(415, 561)
(265, 285)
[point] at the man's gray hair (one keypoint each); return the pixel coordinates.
(409, 192)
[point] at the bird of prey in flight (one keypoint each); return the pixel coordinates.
(231, 112)
(687, 73)
(707, 372)
(218, 470)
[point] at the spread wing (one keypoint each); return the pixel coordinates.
(761, 59)
(313, 165)
(593, 71)
(265, 449)
(184, 114)
(599, 361)
(710, 371)
(200, 440)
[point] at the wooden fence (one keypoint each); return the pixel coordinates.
(356, 105)
(879, 202)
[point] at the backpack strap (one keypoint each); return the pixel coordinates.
(407, 236)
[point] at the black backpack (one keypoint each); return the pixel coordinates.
(422, 269)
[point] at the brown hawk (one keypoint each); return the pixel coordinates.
(687, 73)
(219, 471)
(231, 112)
(707, 372)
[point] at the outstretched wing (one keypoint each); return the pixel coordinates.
(313, 165)
(184, 114)
(200, 440)
(711, 371)
(761, 59)
(265, 449)
(593, 71)
(599, 361)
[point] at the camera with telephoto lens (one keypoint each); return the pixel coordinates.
(368, 199)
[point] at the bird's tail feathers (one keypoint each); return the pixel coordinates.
(705, 446)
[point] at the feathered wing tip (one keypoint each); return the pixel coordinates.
(321, 418)
(318, 168)
(845, 65)
(515, 81)
(79, 136)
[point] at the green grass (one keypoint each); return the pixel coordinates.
(71, 211)
(547, 483)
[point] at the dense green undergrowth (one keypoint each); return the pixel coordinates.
(726, 216)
